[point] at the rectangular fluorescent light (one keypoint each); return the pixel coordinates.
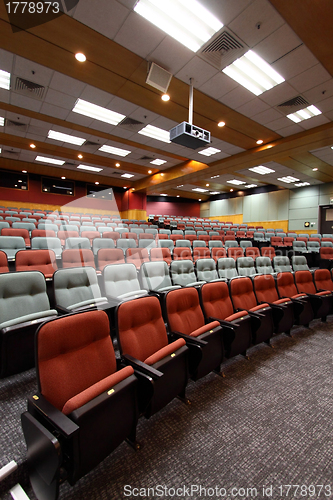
(158, 162)
(302, 184)
(251, 186)
(127, 176)
(49, 160)
(236, 182)
(253, 73)
(215, 176)
(200, 190)
(156, 133)
(97, 112)
(4, 80)
(304, 114)
(209, 151)
(288, 179)
(91, 169)
(215, 192)
(114, 151)
(163, 194)
(261, 170)
(2, 121)
(71, 139)
(180, 186)
(185, 20)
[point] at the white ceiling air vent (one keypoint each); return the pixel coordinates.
(130, 124)
(23, 127)
(158, 77)
(91, 144)
(7, 153)
(293, 105)
(27, 88)
(223, 49)
(146, 158)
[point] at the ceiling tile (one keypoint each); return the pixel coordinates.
(121, 106)
(227, 10)
(267, 116)
(4, 96)
(253, 107)
(219, 85)
(6, 61)
(32, 71)
(104, 16)
(278, 94)
(287, 131)
(95, 96)
(197, 69)
(55, 111)
(236, 97)
(60, 99)
(326, 105)
(25, 102)
(310, 78)
(164, 55)
(279, 43)
(66, 84)
(319, 93)
(315, 121)
(295, 62)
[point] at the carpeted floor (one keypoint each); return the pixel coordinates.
(268, 423)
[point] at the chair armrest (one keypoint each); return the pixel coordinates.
(38, 405)
(63, 310)
(223, 323)
(188, 339)
(141, 367)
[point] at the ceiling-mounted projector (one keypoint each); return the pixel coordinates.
(188, 135)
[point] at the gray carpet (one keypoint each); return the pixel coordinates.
(268, 422)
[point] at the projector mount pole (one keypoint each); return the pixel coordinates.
(190, 106)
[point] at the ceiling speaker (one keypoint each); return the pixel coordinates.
(158, 77)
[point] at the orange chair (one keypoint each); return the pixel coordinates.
(78, 257)
(37, 260)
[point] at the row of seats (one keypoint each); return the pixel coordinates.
(70, 427)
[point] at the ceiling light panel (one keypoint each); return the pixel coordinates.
(2, 121)
(288, 179)
(251, 186)
(304, 114)
(200, 190)
(262, 170)
(90, 169)
(158, 162)
(4, 80)
(127, 176)
(114, 151)
(156, 133)
(302, 184)
(209, 151)
(71, 139)
(97, 112)
(215, 192)
(236, 182)
(253, 73)
(185, 20)
(53, 161)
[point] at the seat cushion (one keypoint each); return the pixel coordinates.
(165, 351)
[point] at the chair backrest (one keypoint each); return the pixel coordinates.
(304, 282)
(253, 252)
(101, 243)
(120, 279)
(17, 232)
(281, 264)
(198, 244)
(286, 285)
(22, 294)
(41, 242)
(166, 244)
(4, 224)
(182, 272)
(78, 242)
(3, 262)
(183, 310)
(323, 279)
(313, 246)
(244, 244)
(78, 257)
(147, 243)
(74, 286)
(326, 252)
(235, 252)
(201, 253)
(264, 265)
(182, 253)
(226, 268)
(242, 294)
(38, 260)
(214, 244)
(245, 266)
(325, 243)
(11, 245)
(230, 243)
(43, 232)
(183, 243)
(215, 299)
(160, 254)
(218, 253)
(299, 263)
(155, 275)
(265, 289)
(206, 269)
(91, 235)
(299, 246)
(107, 256)
(137, 256)
(125, 243)
(63, 235)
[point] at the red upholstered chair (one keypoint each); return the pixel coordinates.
(106, 256)
(204, 237)
(185, 317)
(249, 235)
(38, 260)
(268, 252)
(144, 344)
(161, 236)
(288, 241)
(322, 302)
(253, 252)
(44, 233)
(218, 253)
(277, 242)
(190, 237)
(17, 232)
(286, 287)
(182, 253)
(78, 257)
(326, 256)
(175, 237)
(91, 235)
(323, 280)
(114, 235)
(201, 253)
(137, 256)
(243, 297)
(217, 305)
(85, 405)
(161, 254)
(3, 262)
(63, 235)
(235, 252)
(283, 309)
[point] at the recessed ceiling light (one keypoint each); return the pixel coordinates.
(209, 151)
(19, 180)
(221, 124)
(315, 169)
(304, 114)
(163, 194)
(288, 179)
(158, 162)
(156, 133)
(71, 139)
(32, 146)
(23, 171)
(253, 73)
(261, 170)
(127, 176)
(117, 164)
(231, 190)
(236, 182)
(4, 80)
(2, 121)
(162, 175)
(63, 177)
(79, 56)
(114, 151)
(53, 161)
(80, 156)
(125, 187)
(260, 141)
(177, 195)
(97, 183)
(302, 184)
(150, 171)
(200, 190)
(187, 21)
(87, 167)
(199, 199)
(97, 112)
(165, 97)
(207, 185)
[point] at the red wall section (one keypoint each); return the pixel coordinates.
(133, 201)
(188, 209)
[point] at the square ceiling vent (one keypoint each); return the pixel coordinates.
(158, 77)
(223, 49)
